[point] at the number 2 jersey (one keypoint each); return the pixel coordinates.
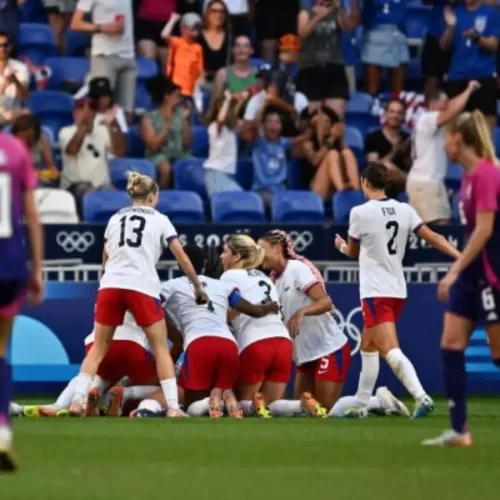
(135, 238)
(199, 320)
(255, 287)
(382, 228)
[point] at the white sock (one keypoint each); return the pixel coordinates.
(82, 386)
(405, 371)
(15, 410)
(248, 408)
(199, 408)
(138, 392)
(66, 396)
(169, 388)
(99, 383)
(286, 408)
(370, 364)
(348, 402)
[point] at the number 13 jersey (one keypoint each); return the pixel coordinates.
(134, 240)
(382, 228)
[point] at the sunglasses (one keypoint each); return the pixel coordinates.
(93, 150)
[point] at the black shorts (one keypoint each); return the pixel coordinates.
(272, 21)
(324, 82)
(434, 61)
(150, 30)
(484, 98)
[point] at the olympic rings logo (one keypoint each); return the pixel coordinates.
(302, 240)
(349, 328)
(74, 241)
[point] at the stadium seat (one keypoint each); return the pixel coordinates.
(135, 145)
(297, 206)
(200, 142)
(354, 139)
(143, 100)
(244, 173)
(49, 134)
(361, 121)
(359, 102)
(146, 69)
(181, 206)
(118, 168)
(99, 206)
(244, 207)
(56, 206)
(453, 176)
(36, 42)
(455, 208)
(67, 69)
(343, 202)
(496, 138)
(32, 11)
(416, 24)
(189, 176)
(54, 109)
(76, 43)
(295, 176)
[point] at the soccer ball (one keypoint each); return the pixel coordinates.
(149, 405)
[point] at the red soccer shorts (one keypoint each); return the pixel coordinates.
(330, 368)
(113, 303)
(380, 310)
(210, 362)
(127, 359)
(266, 360)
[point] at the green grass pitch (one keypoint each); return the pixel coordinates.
(287, 459)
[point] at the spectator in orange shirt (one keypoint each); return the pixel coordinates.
(185, 56)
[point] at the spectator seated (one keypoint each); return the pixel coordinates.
(99, 206)
(297, 206)
(56, 206)
(237, 207)
(54, 109)
(181, 206)
(189, 176)
(119, 168)
(343, 203)
(67, 70)
(36, 42)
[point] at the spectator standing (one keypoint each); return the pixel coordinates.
(85, 147)
(391, 146)
(273, 20)
(113, 52)
(166, 131)
(14, 80)
(9, 22)
(322, 74)
(385, 44)
(425, 185)
(59, 14)
(215, 38)
(240, 17)
(220, 167)
(472, 32)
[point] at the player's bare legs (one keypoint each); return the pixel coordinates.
(493, 332)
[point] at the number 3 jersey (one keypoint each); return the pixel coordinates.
(199, 320)
(255, 287)
(134, 241)
(382, 228)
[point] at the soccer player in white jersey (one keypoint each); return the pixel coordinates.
(211, 361)
(322, 352)
(135, 238)
(378, 233)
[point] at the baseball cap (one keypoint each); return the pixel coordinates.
(99, 87)
(191, 20)
(289, 43)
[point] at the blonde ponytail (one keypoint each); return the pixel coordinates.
(252, 255)
(139, 185)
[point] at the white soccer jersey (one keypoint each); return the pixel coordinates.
(319, 335)
(255, 287)
(128, 331)
(382, 228)
(134, 241)
(195, 320)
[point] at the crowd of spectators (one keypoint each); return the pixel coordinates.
(271, 80)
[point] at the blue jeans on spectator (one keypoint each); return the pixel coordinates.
(217, 181)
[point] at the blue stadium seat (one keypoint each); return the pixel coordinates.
(453, 176)
(359, 102)
(295, 176)
(135, 145)
(415, 79)
(54, 109)
(416, 23)
(146, 69)
(189, 176)
(351, 48)
(244, 173)
(181, 206)
(256, 62)
(200, 142)
(297, 206)
(455, 208)
(36, 42)
(49, 134)
(67, 69)
(362, 121)
(343, 202)
(244, 207)
(32, 11)
(118, 168)
(354, 139)
(99, 206)
(76, 43)
(143, 99)
(496, 138)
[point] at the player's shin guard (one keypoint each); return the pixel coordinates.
(455, 381)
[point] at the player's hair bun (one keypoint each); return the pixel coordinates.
(139, 185)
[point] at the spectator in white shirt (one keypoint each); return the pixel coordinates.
(425, 184)
(113, 52)
(14, 80)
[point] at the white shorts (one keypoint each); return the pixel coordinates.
(429, 199)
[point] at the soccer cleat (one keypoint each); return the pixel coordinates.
(390, 403)
(15, 410)
(233, 407)
(171, 413)
(116, 401)
(355, 413)
(423, 408)
(63, 412)
(76, 409)
(215, 404)
(261, 410)
(7, 460)
(450, 438)
(93, 399)
(147, 414)
(31, 411)
(310, 406)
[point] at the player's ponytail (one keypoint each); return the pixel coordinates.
(277, 237)
(140, 186)
(252, 255)
(377, 175)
